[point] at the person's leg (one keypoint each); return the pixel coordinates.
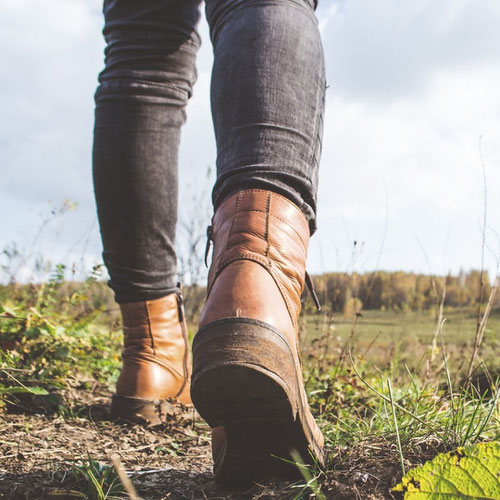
(140, 108)
(268, 90)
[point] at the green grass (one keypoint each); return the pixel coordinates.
(355, 406)
(429, 410)
(382, 337)
(52, 338)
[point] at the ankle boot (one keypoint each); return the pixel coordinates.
(247, 380)
(156, 361)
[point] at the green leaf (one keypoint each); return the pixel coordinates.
(8, 311)
(37, 391)
(466, 473)
(66, 493)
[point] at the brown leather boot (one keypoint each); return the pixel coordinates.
(247, 380)
(156, 361)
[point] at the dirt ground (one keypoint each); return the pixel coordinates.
(38, 449)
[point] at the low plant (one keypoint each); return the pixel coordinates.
(49, 341)
(96, 481)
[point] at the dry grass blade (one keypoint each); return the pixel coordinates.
(481, 326)
(439, 323)
(481, 319)
(122, 474)
(398, 440)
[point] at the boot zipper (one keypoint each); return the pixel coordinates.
(310, 285)
(209, 241)
(180, 303)
(180, 308)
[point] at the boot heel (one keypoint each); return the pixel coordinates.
(148, 412)
(244, 379)
(241, 367)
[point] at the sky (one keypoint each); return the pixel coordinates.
(411, 141)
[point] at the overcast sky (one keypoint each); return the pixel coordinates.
(413, 85)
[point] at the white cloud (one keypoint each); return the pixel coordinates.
(424, 149)
(386, 49)
(51, 53)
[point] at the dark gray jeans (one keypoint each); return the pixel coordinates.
(267, 93)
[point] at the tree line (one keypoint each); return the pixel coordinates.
(399, 291)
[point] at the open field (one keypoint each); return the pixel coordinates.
(383, 337)
(60, 359)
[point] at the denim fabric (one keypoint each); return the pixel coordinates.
(267, 95)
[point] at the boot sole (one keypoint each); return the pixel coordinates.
(147, 412)
(245, 380)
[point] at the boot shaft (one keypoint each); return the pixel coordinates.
(268, 229)
(156, 354)
(156, 327)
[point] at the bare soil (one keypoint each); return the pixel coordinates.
(38, 448)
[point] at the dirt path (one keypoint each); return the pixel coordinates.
(38, 451)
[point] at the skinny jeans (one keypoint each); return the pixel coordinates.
(267, 101)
